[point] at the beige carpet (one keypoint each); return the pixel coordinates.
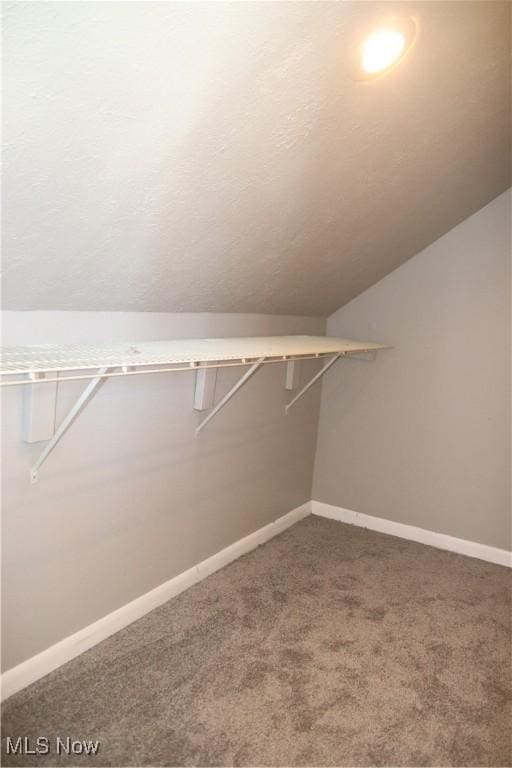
(329, 645)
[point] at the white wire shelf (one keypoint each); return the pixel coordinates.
(31, 362)
(50, 363)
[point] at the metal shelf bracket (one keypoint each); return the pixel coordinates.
(239, 384)
(79, 405)
(313, 380)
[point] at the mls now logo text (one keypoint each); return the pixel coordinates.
(42, 745)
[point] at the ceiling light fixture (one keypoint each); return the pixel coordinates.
(382, 48)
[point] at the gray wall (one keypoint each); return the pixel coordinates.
(130, 498)
(422, 435)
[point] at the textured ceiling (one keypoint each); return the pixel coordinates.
(218, 156)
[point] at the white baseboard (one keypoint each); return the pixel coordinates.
(43, 663)
(411, 532)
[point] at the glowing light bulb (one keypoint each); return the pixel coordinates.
(381, 49)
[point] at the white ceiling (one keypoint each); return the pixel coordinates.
(218, 157)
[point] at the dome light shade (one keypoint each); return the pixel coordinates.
(382, 47)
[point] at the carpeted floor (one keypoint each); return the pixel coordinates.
(328, 646)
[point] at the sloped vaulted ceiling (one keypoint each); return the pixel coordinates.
(218, 156)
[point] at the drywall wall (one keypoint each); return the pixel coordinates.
(171, 156)
(422, 434)
(130, 497)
